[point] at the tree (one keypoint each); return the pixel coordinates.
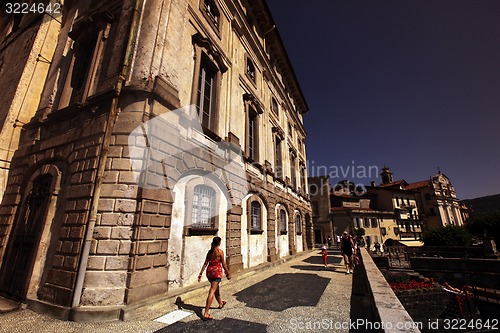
(360, 232)
(449, 235)
(485, 224)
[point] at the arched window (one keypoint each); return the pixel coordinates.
(203, 207)
(256, 215)
(282, 220)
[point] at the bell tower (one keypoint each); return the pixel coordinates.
(386, 175)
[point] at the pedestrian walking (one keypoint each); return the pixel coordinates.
(346, 248)
(324, 254)
(329, 242)
(214, 263)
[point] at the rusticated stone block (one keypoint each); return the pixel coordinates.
(150, 206)
(139, 293)
(163, 233)
(110, 177)
(107, 246)
(127, 177)
(105, 279)
(126, 219)
(61, 278)
(96, 263)
(102, 296)
(143, 262)
(154, 247)
(125, 247)
(147, 233)
(125, 206)
(70, 262)
(102, 232)
(117, 263)
(122, 164)
(121, 232)
(160, 260)
(148, 277)
(119, 191)
(106, 205)
(157, 221)
(109, 218)
(77, 232)
(166, 209)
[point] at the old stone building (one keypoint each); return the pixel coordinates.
(143, 129)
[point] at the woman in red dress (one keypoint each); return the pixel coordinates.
(214, 263)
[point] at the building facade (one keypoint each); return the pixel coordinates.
(343, 208)
(437, 200)
(395, 196)
(158, 125)
(355, 208)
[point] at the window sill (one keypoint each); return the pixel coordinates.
(201, 231)
(211, 134)
(256, 232)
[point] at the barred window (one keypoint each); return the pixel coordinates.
(203, 207)
(256, 215)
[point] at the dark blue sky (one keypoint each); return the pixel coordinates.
(410, 84)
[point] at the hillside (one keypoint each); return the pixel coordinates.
(486, 204)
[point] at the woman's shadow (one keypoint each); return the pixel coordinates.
(198, 310)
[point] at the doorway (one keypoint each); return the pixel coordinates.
(24, 239)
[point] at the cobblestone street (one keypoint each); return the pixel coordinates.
(297, 296)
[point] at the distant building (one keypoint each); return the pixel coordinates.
(345, 209)
(353, 209)
(394, 196)
(438, 202)
(319, 189)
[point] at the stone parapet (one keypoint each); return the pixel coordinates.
(388, 308)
